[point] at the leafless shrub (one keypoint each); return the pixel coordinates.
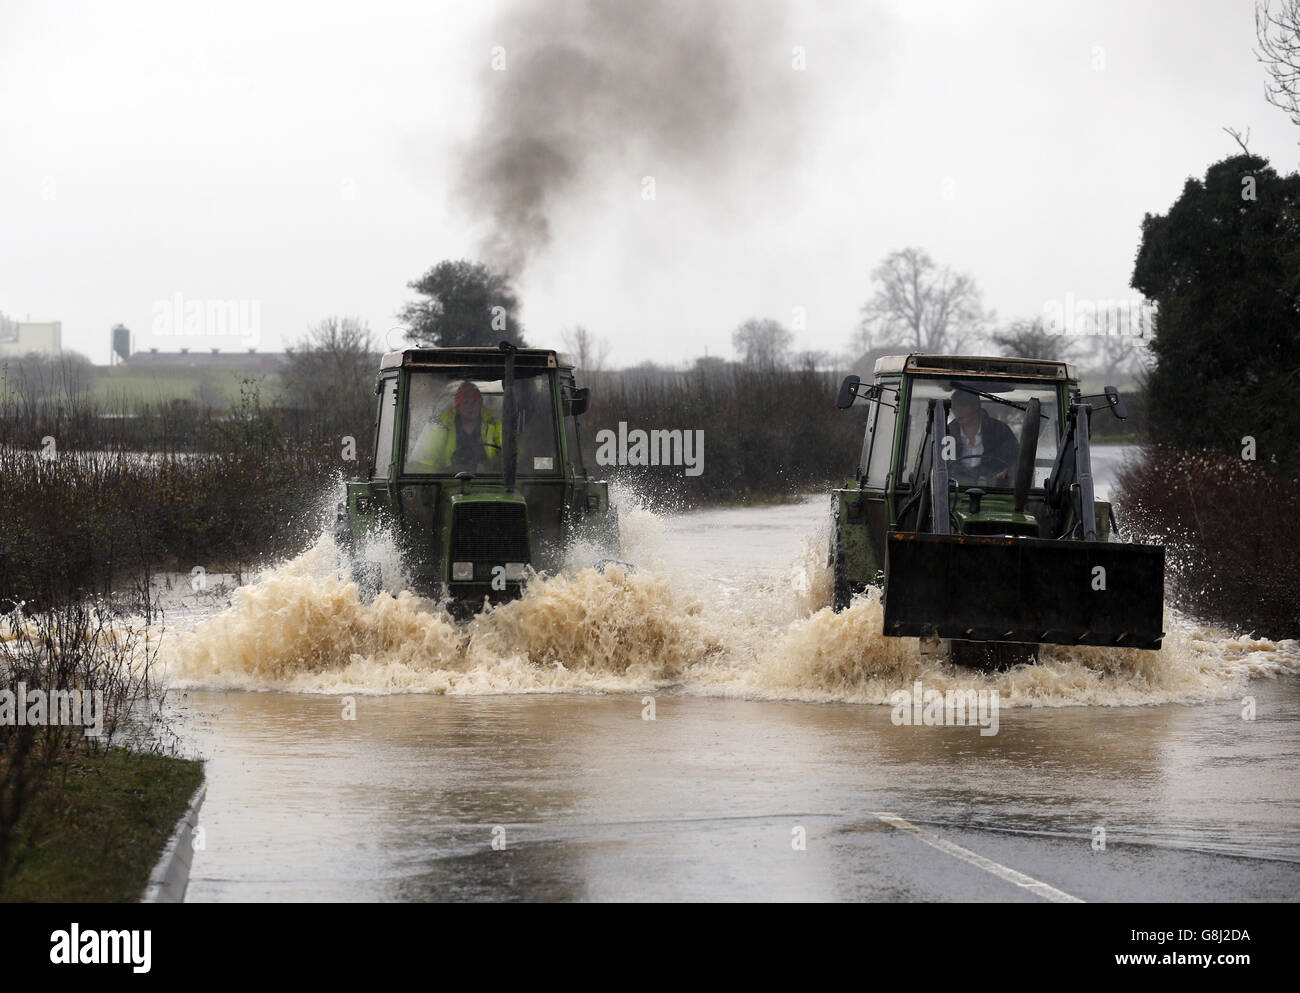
(74, 652)
(1228, 527)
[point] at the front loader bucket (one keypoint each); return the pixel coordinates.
(978, 588)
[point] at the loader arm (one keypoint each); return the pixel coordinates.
(1069, 487)
(939, 513)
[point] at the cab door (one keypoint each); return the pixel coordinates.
(878, 466)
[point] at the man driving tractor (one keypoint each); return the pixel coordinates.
(464, 438)
(978, 434)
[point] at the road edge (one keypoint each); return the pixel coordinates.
(171, 874)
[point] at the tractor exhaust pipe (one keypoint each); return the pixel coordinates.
(508, 440)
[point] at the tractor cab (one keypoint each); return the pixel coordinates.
(476, 473)
(972, 507)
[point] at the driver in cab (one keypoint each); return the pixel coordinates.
(978, 434)
(464, 438)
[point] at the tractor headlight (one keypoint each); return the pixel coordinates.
(462, 570)
(515, 571)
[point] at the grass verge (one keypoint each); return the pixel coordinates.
(99, 826)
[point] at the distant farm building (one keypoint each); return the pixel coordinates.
(249, 360)
(19, 338)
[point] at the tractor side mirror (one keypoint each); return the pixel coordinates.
(848, 392)
(1116, 404)
(576, 402)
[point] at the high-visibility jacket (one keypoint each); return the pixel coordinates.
(436, 452)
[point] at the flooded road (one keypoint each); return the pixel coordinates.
(592, 802)
(514, 758)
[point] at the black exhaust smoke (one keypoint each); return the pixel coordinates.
(601, 89)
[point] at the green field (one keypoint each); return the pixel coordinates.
(124, 386)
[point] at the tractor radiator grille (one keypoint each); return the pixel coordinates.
(489, 532)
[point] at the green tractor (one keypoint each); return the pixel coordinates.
(477, 474)
(973, 510)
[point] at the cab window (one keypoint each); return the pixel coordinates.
(455, 423)
(985, 462)
(882, 441)
(384, 434)
(572, 443)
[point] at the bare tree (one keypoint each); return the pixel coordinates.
(331, 371)
(812, 358)
(1237, 137)
(587, 351)
(921, 306)
(1279, 49)
(1031, 340)
(763, 342)
(1117, 354)
(61, 378)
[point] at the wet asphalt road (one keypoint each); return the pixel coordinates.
(579, 798)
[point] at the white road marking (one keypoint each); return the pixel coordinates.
(988, 865)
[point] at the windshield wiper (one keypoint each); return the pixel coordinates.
(997, 399)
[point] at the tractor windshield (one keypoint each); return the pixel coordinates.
(985, 432)
(455, 423)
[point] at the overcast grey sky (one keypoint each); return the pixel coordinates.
(307, 158)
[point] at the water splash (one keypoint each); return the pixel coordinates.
(302, 627)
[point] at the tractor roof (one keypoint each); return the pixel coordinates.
(975, 365)
(425, 358)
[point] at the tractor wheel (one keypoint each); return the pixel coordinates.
(991, 656)
(842, 594)
(343, 544)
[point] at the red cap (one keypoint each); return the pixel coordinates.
(468, 391)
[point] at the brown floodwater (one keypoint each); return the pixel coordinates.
(380, 751)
